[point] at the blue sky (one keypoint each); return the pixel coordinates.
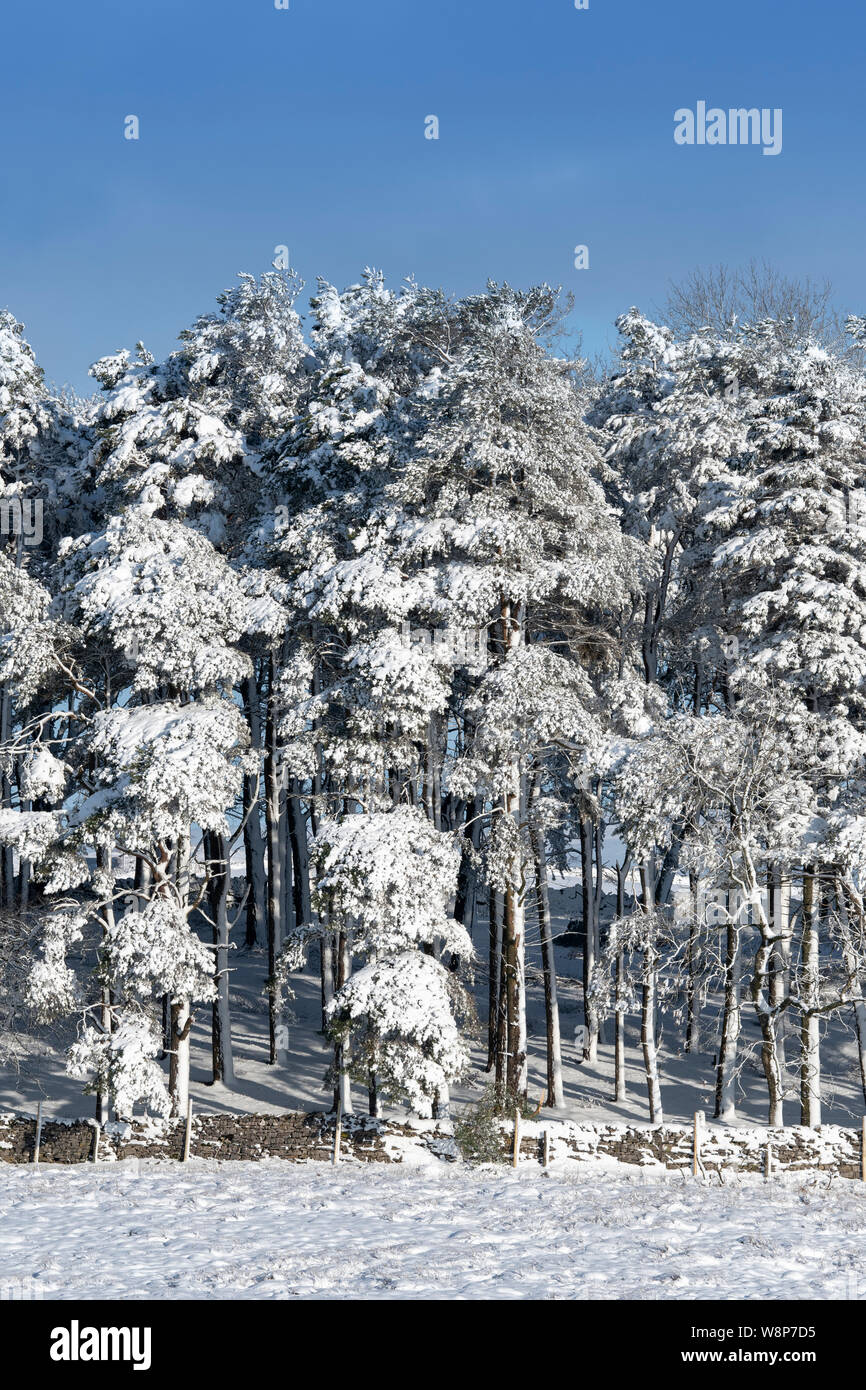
(305, 127)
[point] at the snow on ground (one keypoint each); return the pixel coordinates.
(273, 1230)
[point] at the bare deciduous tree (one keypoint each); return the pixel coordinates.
(723, 297)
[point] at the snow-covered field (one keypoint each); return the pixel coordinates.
(272, 1230)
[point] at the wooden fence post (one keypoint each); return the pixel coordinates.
(97, 1130)
(38, 1144)
(547, 1148)
(696, 1143)
(516, 1150)
(335, 1157)
(187, 1130)
(768, 1161)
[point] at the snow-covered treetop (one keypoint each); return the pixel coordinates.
(164, 597)
(22, 398)
(391, 875)
(163, 768)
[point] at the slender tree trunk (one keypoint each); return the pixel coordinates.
(7, 854)
(693, 1004)
(514, 970)
(254, 844)
(725, 1097)
(436, 771)
(555, 1096)
(501, 1045)
(619, 1081)
(598, 896)
(326, 972)
(648, 1005)
(767, 1022)
(221, 1048)
(779, 884)
(494, 918)
(179, 1057)
(300, 854)
(853, 955)
(515, 989)
(648, 1039)
(275, 867)
(181, 1008)
(810, 1038)
(591, 936)
(514, 917)
(591, 940)
(343, 1088)
(24, 871)
(104, 859)
(287, 907)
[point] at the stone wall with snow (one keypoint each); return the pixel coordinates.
(303, 1136)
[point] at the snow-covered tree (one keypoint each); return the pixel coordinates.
(389, 877)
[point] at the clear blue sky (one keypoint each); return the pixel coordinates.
(305, 127)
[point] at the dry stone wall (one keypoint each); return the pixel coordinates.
(300, 1137)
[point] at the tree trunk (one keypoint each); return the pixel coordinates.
(494, 920)
(648, 1002)
(254, 845)
(513, 938)
(222, 1053)
(326, 973)
(855, 942)
(619, 1080)
(767, 1022)
(7, 853)
(343, 1088)
(104, 860)
(779, 883)
(275, 870)
(514, 914)
(287, 907)
(555, 1096)
(467, 879)
(693, 1003)
(810, 1038)
(591, 939)
(179, 1057)
(300, 854)
(725, 1098)
(648, 1039)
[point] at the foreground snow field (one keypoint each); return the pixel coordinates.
(272, 1230)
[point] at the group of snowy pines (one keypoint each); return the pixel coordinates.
(406, 614)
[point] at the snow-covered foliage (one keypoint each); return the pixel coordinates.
(165, 767)
(389, 877)
(122, 1064)
(392, 874)
(153, 951)
(398, 1015)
